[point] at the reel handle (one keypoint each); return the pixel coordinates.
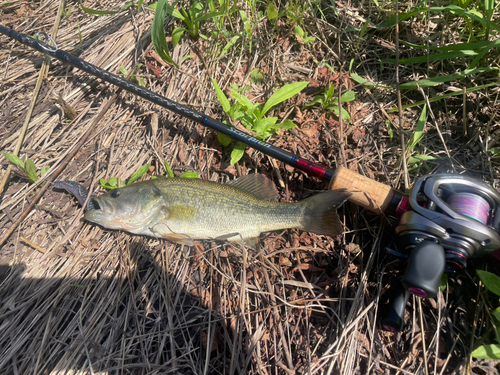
(425, 267)
(394, 319)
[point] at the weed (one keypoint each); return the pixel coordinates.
(301, 35)
(329, 102)
(252, 116)
(158, 32)
(295, 11)
(490, 351)
(134, 78)
(26, 170)
(115, 182)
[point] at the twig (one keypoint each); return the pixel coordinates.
(422, 331)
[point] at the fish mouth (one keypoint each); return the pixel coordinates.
(102, 212)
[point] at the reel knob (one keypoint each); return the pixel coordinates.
(425, 268)
(394, 319)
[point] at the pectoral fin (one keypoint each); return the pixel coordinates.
(179, 238)
(163, 231)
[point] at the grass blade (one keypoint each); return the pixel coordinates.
(158, 32)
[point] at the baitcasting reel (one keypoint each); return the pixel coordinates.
(452, 218)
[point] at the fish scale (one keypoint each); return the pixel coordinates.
(222, 209)
(182, 210)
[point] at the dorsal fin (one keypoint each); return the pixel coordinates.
(256, 184)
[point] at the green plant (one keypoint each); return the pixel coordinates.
(225, 9)
(329, 102)
(115, 182)
(301, 35)
(134, 78)
(252, 116)
(490, 350)
(67, 12)
(295, 11)
(158, 32)
(26, 170)
(187, 174)
(191, 18)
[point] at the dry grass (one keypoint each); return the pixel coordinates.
(80, 299)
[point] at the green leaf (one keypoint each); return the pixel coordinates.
(229, 45)
(418, 158)
(158, 32)
(13, 159)
(491, 351)
(246, 23)
(169, 170)
(434, 57)
(139, 173)
(496, 313)
(490, 281)
(124, 70)
(271, 12)
(31, 170)
(495, 151)
(242, 99)
(176, 35)
(221, 96)
(446, 78)
(443, 282)
(284, 93)
(287, 124)
(360, 80)
(317, 99)
(256, 76)
(113, 182)
(224, 139)
(417, 136)
(208, 16)
(335, 109)
(44, 170)
(238, 152)
(309, 39)
(261, 126)
(189, 174)
(389, 129)
(175, 12)
(444, 96)
(347, 97)
(298, 31)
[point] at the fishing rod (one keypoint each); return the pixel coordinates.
(367, 193)
(443, 221)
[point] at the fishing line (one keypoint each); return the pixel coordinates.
(471, 205)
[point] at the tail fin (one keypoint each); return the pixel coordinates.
(320, 215)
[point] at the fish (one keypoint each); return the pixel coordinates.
(182, 210)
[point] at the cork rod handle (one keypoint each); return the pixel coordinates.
(366, 192)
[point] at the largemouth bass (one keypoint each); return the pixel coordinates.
(182, 210)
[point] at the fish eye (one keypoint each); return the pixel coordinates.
(115, 193)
